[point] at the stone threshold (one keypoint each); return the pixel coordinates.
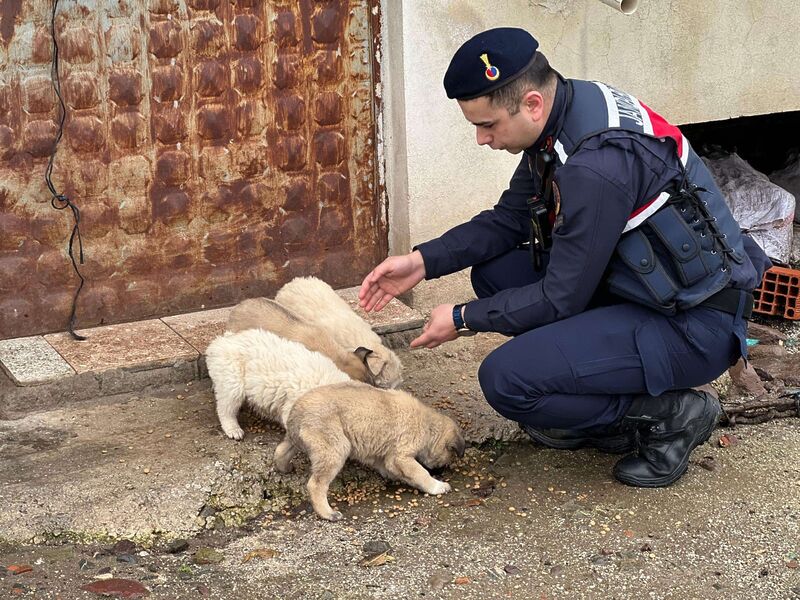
(128, 357)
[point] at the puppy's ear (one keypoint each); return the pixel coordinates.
(373, 361)
(459, 446)
(364, 354)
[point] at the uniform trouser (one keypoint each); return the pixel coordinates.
(583, 371)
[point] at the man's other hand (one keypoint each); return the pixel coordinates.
(394, 276)
(439, 328)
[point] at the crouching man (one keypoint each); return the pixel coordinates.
(612, 259)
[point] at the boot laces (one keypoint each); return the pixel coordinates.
(637, 441)
(649, 432)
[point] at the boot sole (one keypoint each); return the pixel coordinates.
(678, 473)
(602, 444)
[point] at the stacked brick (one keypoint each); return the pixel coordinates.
(779, 293)
(215, 148)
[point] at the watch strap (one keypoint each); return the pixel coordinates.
(458, 320)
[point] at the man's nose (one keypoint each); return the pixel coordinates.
(483, 138)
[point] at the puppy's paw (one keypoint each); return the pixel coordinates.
(235, 433)
(439, 487)
(334, 516)
(284, 468)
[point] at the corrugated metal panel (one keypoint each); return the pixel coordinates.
(215, 148)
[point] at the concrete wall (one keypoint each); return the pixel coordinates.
(691, 61)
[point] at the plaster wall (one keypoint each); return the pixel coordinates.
(691, 61)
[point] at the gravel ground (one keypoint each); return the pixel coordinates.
(541, 523)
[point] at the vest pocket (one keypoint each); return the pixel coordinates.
(636, 274)
(683, 244)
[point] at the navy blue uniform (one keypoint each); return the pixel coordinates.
(580, 353)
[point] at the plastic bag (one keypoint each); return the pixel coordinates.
(761, 207)
(789, 179)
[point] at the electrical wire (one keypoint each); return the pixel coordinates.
(61, 201)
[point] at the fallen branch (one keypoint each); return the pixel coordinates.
(762, 410)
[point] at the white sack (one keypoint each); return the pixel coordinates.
(789, 179)
(759, 205)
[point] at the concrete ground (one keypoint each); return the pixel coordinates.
(142, 493)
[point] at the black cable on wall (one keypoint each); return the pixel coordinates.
(61, 201)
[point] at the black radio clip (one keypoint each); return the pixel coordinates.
(541, 206)
(541, 230)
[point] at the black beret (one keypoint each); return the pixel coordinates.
(488, 61)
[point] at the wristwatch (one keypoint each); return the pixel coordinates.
(458, 322)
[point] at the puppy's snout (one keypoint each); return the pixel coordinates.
(459, 447)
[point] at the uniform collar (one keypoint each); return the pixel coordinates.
(555, 121)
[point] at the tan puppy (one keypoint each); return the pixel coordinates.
(316, 302)
(388, 430)
(262, 313)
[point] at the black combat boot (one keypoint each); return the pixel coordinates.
(669, 427)
(613, 439)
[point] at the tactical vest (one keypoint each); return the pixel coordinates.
(678, 248)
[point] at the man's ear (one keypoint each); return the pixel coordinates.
(533, 102)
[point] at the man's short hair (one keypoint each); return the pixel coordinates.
(539, 76)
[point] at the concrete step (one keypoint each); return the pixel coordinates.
(42, 372)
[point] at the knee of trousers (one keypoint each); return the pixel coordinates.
(499, 390)
(481, 285)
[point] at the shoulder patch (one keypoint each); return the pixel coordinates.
(558, 218)
(556, 198)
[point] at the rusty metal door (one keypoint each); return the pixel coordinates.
(215, 149)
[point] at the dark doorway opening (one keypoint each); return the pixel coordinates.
(764, 141)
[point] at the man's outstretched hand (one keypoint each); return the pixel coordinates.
(394, 276)
(439, 328)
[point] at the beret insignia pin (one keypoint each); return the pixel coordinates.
(491, 72)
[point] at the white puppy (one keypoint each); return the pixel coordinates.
(267, 370)
(315, 301)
